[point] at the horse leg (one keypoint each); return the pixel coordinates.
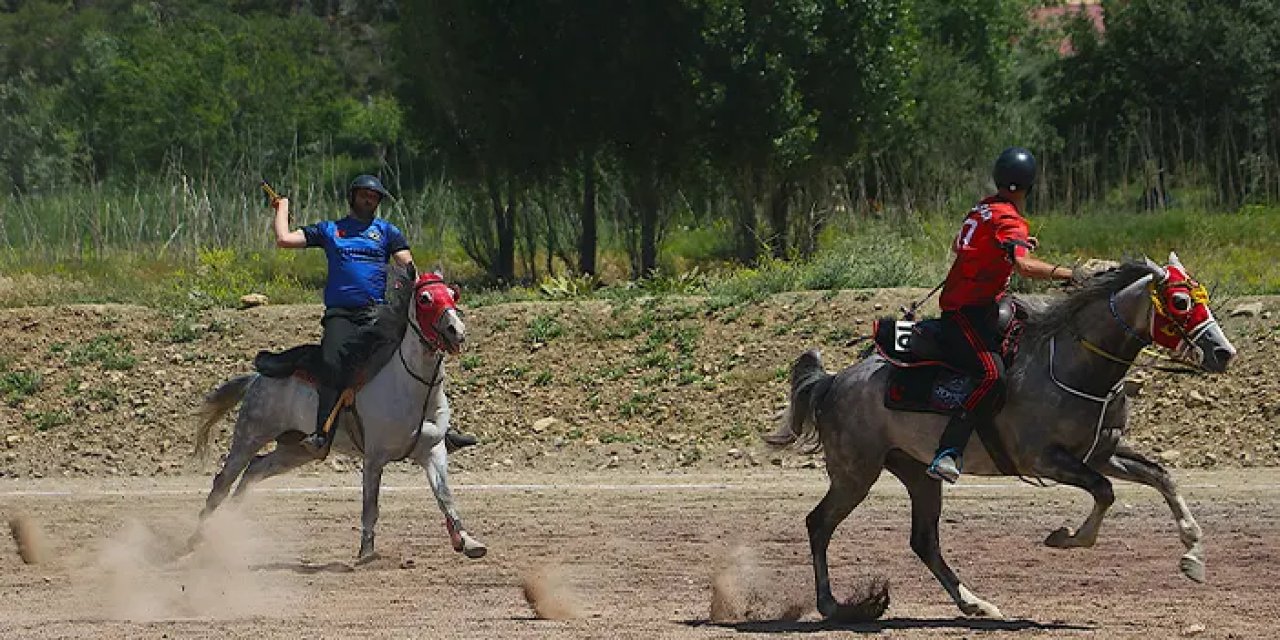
(926, 508)
(1127, 464)
(369, 511)
(284, 458)
(242, 450)
(849, 486)
(1063, 467)
(436, 465)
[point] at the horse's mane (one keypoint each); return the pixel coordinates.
(1050, 318)
(393, 317)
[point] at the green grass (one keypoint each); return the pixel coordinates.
(107, 350)
(543, 329)
(1233, 250)
(16, 385)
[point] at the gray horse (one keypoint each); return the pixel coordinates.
(400, 413)
(1063, 420)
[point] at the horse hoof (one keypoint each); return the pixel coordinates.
(473, 548)
(1192, 567)
(366, 558)
(1060, 539)
(981, 609)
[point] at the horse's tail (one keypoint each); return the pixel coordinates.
(216, 404)
(809, 385)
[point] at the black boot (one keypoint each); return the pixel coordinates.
(318, 442)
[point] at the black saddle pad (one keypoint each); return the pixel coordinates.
(929, 389)
(285, 363)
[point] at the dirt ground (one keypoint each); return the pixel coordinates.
(643, 385)
(634, 555)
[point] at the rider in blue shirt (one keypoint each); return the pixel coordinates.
(358, 248)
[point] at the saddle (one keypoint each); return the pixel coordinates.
(303, 362)
(923, 379)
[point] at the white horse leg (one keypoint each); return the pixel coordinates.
(436, 465)
(369, 511)
(1129, 465)
(926, 509)
(284, 458)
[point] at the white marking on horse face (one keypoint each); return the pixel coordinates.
(451, 329)
(1215, 350)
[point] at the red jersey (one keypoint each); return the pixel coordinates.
(980, 275)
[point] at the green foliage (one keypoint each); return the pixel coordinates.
(108, 350)
(1187, 87)
(543, 329)
(16, 385)
(568, 287)
(46, 420)
(658, 136)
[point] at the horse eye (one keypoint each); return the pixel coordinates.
(1182, 302)
(425, 297)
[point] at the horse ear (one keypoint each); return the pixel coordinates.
(1173, 260)
(1157, 271)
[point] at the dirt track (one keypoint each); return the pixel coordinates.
(639, 551)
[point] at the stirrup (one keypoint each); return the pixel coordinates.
(316, 444)
(939, 470)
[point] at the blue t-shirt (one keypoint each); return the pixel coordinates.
(358, 253)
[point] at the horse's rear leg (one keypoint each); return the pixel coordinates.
(849, 486)
(926, 508)
(1127, 464)
(1057, 464)
(436, 465)
(285, 458)
(242, 450)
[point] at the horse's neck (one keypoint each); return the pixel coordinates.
(401, 379)
(1077, 365)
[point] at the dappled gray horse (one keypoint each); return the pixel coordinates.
(1063, 419)
(400, 413)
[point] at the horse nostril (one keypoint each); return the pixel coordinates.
(1223, 354)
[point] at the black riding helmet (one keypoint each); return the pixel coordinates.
(1015, 170)
(369, 182)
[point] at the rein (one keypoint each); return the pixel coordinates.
(1118, 387)
(1157, 307)
(437, 377)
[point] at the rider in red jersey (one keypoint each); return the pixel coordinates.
(993, 243)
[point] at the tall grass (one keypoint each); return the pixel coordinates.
(187, 244)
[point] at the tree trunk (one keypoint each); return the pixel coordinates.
(649, 204)
(588, 240)
(747, 229)
(504, 264)
(779, 212)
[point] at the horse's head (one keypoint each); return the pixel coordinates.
(434, 314)
(1182, 321)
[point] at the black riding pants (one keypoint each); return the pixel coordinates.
(344, 344)
(973, 344)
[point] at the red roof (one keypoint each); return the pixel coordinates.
(1059, 15)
